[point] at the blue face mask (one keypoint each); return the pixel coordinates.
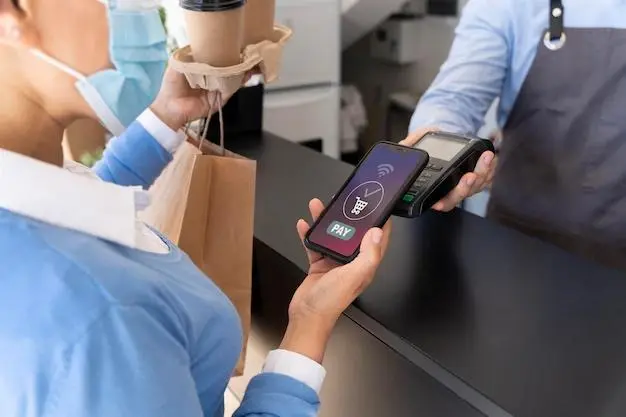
(138, 48)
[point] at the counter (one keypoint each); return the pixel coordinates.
(465, 318)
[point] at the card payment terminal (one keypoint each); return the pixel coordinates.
(451, 157)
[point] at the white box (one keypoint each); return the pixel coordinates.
(395, 41)
(313, 55)
(415, 7)
(305, 114)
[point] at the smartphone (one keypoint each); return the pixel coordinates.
(365, 200)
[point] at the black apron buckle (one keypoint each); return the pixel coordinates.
(555, 37)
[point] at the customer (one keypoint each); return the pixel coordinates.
(558, 68)
(102, 317)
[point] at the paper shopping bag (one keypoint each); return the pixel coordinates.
(204, 202)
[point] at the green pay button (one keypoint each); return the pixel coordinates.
(340, 231)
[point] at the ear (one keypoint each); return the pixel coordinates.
(16, 25)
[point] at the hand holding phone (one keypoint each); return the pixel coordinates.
(366, 200)
(329, 289)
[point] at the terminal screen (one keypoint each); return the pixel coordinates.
(440, 148)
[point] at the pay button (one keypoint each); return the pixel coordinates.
(340, 231)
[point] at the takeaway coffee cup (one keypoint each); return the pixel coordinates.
(259, 17)
(215, 29)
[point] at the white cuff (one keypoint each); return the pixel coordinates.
(296, 366)
(162, 133)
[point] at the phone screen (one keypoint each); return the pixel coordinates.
(365, 200)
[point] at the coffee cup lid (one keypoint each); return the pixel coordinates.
(211, 5)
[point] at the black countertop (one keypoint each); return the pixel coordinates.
(510, 324)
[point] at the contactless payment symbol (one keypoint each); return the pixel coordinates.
(363, 200)
(384, 169)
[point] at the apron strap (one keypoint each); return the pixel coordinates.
(555, 37)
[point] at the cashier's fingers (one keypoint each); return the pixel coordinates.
(416, 135)
(458, 194)
(492, 172)
(484, 168)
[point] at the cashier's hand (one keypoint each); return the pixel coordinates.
(329, 289)
(470, 184)
(178, 104)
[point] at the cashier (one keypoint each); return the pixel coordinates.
(102, 316)
(559, 69)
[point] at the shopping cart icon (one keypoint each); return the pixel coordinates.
(359, 206)
(363, 200)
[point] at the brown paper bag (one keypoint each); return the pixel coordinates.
(204, 202)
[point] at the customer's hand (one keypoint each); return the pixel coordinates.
(470, 184)
(178, 104)
(329, 289)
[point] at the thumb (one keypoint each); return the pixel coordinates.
(416, 135)
(371, 251)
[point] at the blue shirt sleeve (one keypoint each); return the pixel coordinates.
(134, 158)
(129, 363)
(474, 73)
(274, 395)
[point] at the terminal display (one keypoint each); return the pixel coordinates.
(440, 148)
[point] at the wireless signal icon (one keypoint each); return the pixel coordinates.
(384, 169)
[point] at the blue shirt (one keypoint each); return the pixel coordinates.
(494, 48)
(94, 328)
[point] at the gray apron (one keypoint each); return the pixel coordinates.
(561, 172)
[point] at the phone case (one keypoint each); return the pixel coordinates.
(388, 210)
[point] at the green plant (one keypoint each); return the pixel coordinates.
(163, 14)
(171, 42)
(89, 159)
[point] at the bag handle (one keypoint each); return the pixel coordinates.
(217, 101)
(218, 98)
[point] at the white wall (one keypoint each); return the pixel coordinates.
(376, 80)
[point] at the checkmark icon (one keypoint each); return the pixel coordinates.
(369, 193)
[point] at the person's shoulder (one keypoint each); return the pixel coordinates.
(510, 9)
(519, 22)
(65, 280)
(75, 278)
(42, 286)
(48, 303)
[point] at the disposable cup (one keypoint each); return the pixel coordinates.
(259, 17)
(215, 29)
(211, 5)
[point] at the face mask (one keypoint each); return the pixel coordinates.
(139, 53)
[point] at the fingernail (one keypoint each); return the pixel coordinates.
(488, 158)
(470, 181)
(377, 236)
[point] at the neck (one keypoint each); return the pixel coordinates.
(26, 126)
